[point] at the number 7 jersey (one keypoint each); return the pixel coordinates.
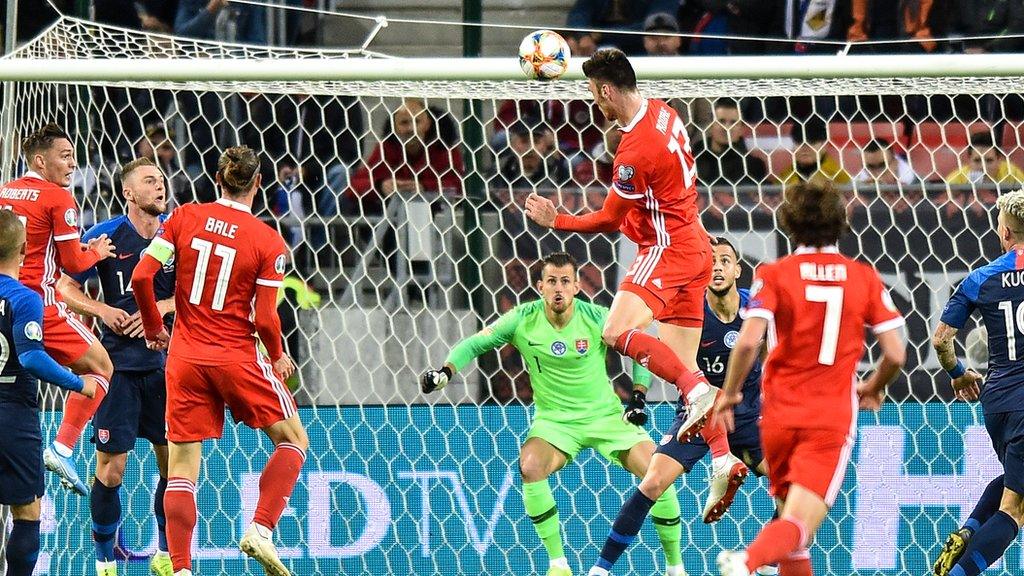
(221, 254)
(817, 303)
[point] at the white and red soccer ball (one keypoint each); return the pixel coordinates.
(544, 55)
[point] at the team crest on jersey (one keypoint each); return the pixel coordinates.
(558, 348)
(33, 331)
(582, 345)
(625, 172)
(71, 217)
(103, 435)
(731, 337)
(279, 264)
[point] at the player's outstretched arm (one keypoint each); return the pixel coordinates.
(145, 297)
(608, 219)
(28, 341)
(894, 355)
(82, 303)
(744, 354)
(467, 349)
(965, 380)
(76, 260)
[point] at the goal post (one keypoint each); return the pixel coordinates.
(407, 235)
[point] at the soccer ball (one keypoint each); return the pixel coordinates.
(976, 347)
(543, 55)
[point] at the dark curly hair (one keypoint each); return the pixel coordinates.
(813, 214)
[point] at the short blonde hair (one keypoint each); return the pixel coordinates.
(1012, 205)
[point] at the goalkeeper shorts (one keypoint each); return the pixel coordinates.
(608, 434)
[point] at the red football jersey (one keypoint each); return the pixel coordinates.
(221, 253)
(655, 168)
(817, 303)
(50, 216)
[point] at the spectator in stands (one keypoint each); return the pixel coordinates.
(412, 158)
(596, 170)
(986, 164)
(811, 160)
(286, 200)
(574, 122)
(616, 15)
(659, 44)
(722, 157)
(807, 21)
(532, 159)
(158, 145)
(883, 166)
(149, 15)
(999, 18)
(747, 19)
(219, 20)
(879, 20)
(703, 18)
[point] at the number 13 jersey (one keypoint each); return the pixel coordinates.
(817, 303)
(221, 253)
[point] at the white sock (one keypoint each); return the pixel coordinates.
(559, 563)
(595, 571)
(675, 570)
(263, 530)
(101, 565)
(698, 390)
(62, 449)
(767, 570)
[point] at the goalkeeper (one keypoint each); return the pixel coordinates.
(559, 338)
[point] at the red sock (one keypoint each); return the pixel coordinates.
(657, 357)
(180, 513)
(713, 432)
(78, 410)
(276, 483)
(777, 540)
(797, 564)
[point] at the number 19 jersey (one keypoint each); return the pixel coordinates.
(221, 252)
(817, 303)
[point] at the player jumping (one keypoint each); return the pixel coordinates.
(994, 290)
(50, 215)
(134, 405)
(229, 266)
(653, 202)
(25, 360)
(813, 305)
(559, 339)
(721, 325)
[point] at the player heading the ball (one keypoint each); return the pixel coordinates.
(653, 201)
(229, 267)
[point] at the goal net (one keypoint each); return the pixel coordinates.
(402, 203)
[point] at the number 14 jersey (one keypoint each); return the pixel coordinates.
(221, 252)
(817, 303)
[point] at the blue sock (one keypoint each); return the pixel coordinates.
(625, 528)
(23, 548)
(158, 511)
(987, 545)
(987, 505)
(105, 505)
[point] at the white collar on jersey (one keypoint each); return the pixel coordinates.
(32, 174)
(636, 119)
(233, 204)
(832, 249)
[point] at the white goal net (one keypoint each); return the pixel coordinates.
(402, 203)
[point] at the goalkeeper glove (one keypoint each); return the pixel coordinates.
(636, 409)
(435, 379)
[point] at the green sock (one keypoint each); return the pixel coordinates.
(540, 506)
(665, 517)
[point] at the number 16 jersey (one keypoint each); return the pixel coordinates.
(221, 253)
(817, 303)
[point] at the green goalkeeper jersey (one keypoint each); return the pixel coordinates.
(567, 367)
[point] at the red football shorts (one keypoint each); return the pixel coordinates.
(671, 284)
(815, 459)
(65, 338)
(197, 394)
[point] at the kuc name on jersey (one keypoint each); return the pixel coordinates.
(1013, 278)
(823, 272)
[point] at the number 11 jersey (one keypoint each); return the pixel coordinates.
(817, 303)
(221, 252)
